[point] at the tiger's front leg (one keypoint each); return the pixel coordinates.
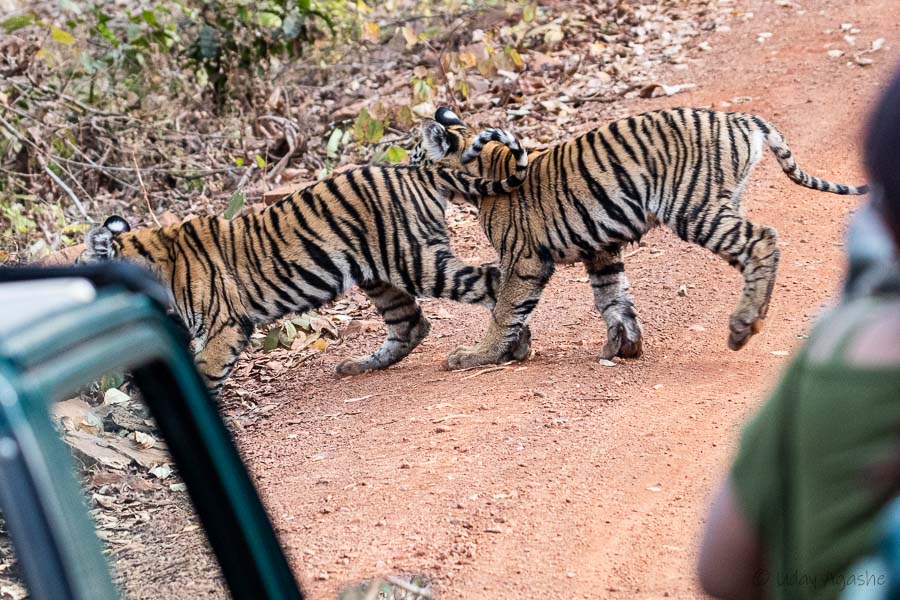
(215, 359)
(508, 336)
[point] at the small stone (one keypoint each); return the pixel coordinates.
(779, 352)
(442, 429)
(607, 363)
(682, 290)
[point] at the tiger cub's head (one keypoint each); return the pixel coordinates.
(114, 239)
(443, 140)
(448, 142)
(102, 243)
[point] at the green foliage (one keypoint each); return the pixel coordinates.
(422, 88)
(235, 204)
(62, 36)
(18, 219)
(215, 40)
(396, 154)
(393, 154)
(226, 37)
(17, 22)
(334, 143)
(367, 130)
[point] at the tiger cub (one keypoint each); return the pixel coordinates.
(584, 199)
(381, 227)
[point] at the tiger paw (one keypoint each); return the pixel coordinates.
(624, 340)
(741, 329)
(521, 349)
(354, 366)
(466, 357)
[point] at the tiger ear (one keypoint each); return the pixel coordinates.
(447, 117)
(435, 139)
(117, 225)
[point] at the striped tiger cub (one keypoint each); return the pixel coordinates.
(584, 199)
(381, 227)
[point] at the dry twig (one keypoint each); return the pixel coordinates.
(144, 190)
(413, 589)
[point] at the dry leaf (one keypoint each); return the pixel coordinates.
(143, 440)
(371, 32)
(115, 396)
(651, 90)
(161, 471)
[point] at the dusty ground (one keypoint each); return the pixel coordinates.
(561, 478)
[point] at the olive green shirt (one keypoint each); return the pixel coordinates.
(800, 474)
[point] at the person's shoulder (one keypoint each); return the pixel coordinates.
(863, 333)
(877, 342)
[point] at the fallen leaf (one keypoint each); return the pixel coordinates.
(90, 423)
(320, 324)
(143, 440)
(115, 396)
(651, 90)
(161, 471)
(424, 110)
(88, 449)
(168, 218)
(359, 326)
(107, 502)
(70, 412)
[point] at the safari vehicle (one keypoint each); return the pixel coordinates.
(62, 328)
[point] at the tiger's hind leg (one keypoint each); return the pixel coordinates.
(612, 297)
(750, 248)
(406, 326)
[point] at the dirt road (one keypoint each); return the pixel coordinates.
(559, 477)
